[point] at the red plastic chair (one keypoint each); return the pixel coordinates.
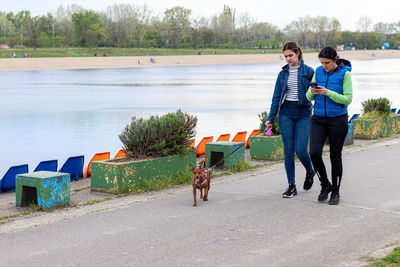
(120, 154)
(224, 137)
(96, 157)
(253, 133)
(240, 137)
(201, 147)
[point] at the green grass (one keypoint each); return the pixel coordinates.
(84, 52)
(95, 201)
(375, 115)
(80, 189)
(240, 166)
(185, 177)
(32, 208)
(391, 260)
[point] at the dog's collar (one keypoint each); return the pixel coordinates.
(198, 184)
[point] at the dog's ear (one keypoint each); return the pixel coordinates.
(191, 167)
(202, 164)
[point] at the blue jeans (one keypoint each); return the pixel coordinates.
(294, 124)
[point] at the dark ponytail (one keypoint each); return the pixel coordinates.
(293, 46)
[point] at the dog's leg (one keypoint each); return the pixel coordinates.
(194, 197)
(205, 198)
(201, 193)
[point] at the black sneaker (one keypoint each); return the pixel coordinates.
(335, 199)
(308, 182)
(290, 191)
(325, 190)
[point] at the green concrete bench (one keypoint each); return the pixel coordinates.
(43, 188)
(216, 151)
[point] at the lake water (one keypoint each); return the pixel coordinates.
(57, 114)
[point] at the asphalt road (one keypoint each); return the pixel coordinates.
(244, 223)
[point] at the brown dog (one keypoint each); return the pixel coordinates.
(201, 179)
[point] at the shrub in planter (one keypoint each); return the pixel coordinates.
(155, 147)
(267, 147)
(376, 120)
(158, 136)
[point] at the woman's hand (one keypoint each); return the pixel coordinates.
(319, 90)
(268, 124)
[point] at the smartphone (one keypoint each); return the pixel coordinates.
(313, 84)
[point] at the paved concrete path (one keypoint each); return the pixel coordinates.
(244, 223)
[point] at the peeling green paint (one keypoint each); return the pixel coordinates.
(376, 128)
(266, 147)
(112, 175)
(52, 188)
(226, 148)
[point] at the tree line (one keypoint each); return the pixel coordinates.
(136, 26)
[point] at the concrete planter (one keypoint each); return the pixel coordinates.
(266, 147)
(349, 140)
(376, 128)
(112, 175)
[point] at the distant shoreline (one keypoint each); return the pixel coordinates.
(75, 63)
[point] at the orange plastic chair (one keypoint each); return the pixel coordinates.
(253, 133)
(191, 143)
(120, 154)
(240, 137)
(224, 137)
(201, 147)
(96, 157)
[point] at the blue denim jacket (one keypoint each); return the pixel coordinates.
(305, 74)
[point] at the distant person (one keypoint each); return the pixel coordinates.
(332, 95)
(290, 100)
(13, 55)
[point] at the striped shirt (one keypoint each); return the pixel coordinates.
(292, 85)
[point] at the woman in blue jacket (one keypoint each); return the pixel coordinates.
(294, 114)
(332, 95)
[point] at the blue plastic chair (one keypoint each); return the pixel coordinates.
(7, 183)
(398, 112)
(393, 110)
(355, 116)
(74, 166)
(48, 165)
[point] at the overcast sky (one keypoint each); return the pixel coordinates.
(276, 12)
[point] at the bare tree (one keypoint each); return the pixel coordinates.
(302, 26)
(34, 26)
(227, 24)
(115, 20)
(143, 19)
(245, 22)
(320, 26)
(363, 25)
(177, 20)
(131, 22)
(263, 31)
(334, 31)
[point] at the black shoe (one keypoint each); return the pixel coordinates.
(325, 190)
(308, 182)
(335, 199)
(290, 191)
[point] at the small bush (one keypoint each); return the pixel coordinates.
(263, 118)
(158, 136)
(375, 108)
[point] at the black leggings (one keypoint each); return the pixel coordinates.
(336, 129)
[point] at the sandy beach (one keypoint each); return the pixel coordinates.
(32, 64)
